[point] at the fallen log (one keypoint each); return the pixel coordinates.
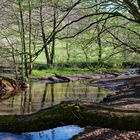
(70, 112)
(66, 79)
(58, 79)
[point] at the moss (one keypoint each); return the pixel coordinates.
(71, 113)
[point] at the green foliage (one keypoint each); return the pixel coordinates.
(119, 38)
(72, 71)
(59, 71)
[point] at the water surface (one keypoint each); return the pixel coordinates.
(59, 133)
(41, 95)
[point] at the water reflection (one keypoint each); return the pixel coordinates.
(41, 95)
(59, 133)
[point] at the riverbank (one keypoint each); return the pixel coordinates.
(97, 133)
(36, 73)
(56, 75)
(127, 97)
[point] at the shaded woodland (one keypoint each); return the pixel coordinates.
(94, 32)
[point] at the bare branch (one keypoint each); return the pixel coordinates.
(69, 10)
(84, 29)
(135, 49)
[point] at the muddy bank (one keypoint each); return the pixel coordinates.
(119, 84)
(126, 89)
(60, 79)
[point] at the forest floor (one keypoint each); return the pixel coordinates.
(97, 133)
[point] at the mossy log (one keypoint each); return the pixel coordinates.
(80, 113)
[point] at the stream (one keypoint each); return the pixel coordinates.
(59, 133)
(41, 95)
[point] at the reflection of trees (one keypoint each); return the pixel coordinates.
(53, 134)
(7, 95)
(52, 94)
(86, 90)
(98, 94)
(67, 90)
(40, 95)
(44, 95)
(26, 100)
(30, 98)
(12, 102)
(23, 101)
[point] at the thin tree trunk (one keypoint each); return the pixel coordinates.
(30, 37)
(22, 58)
(68, 53)
(98, 38)
(23, 39)
(13, 57)
(43, 35)
(100, 47)
(53, 39)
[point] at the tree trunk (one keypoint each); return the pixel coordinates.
(53, 38)
(70, 112)
(45, 46)
(30, 38)
(22, 30)
(100, 48)
(68, 52)
(98, 37)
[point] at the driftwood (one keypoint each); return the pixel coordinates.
(62, 77)
(81, 113)
(58, 79)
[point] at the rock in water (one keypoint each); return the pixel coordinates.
(24, 85)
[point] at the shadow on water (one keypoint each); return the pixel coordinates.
(59, 133)
(41, 95)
